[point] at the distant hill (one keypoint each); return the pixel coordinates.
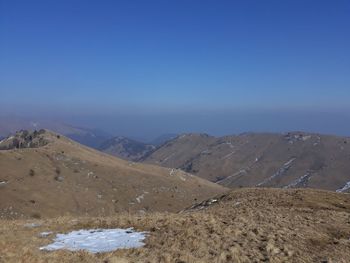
(126, 148)
(289, 160)
(90, 137)
(44, 174)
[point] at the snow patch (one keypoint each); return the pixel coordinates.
(228, 155)
(235, 175)
(97, 240)
(301, 181)
(280, 172)
(344, 188)
(167, 158)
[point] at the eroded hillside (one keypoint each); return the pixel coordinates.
(290, 160)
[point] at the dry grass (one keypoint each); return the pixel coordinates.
(66, 178)
(248, 225)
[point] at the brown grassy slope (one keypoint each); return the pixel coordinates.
(251, 159)
(66, 178)
(247, 225)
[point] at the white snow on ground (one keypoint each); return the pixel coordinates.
(45, 234)
(344, 188)
(298, 181)
(289, 162)
(239, 173)
(167, 158)
(97, 240)
(228, 155)
(280, 172)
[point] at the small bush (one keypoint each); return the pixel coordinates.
(31, 172)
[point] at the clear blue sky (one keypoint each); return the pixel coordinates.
(123, 58)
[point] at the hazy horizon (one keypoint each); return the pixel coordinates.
(146, 68)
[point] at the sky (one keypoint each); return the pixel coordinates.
(151, 67)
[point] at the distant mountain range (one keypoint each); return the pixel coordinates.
(289, 160)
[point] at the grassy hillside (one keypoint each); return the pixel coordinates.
(247, 225)
(50, 175)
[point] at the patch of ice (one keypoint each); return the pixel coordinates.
(344, 188)
(97, 240)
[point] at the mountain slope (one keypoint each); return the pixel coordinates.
(126, 148)
(89, 137)
(266, 160)
(245, 225)
(58, 176)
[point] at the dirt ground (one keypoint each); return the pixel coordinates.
(247, 225)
